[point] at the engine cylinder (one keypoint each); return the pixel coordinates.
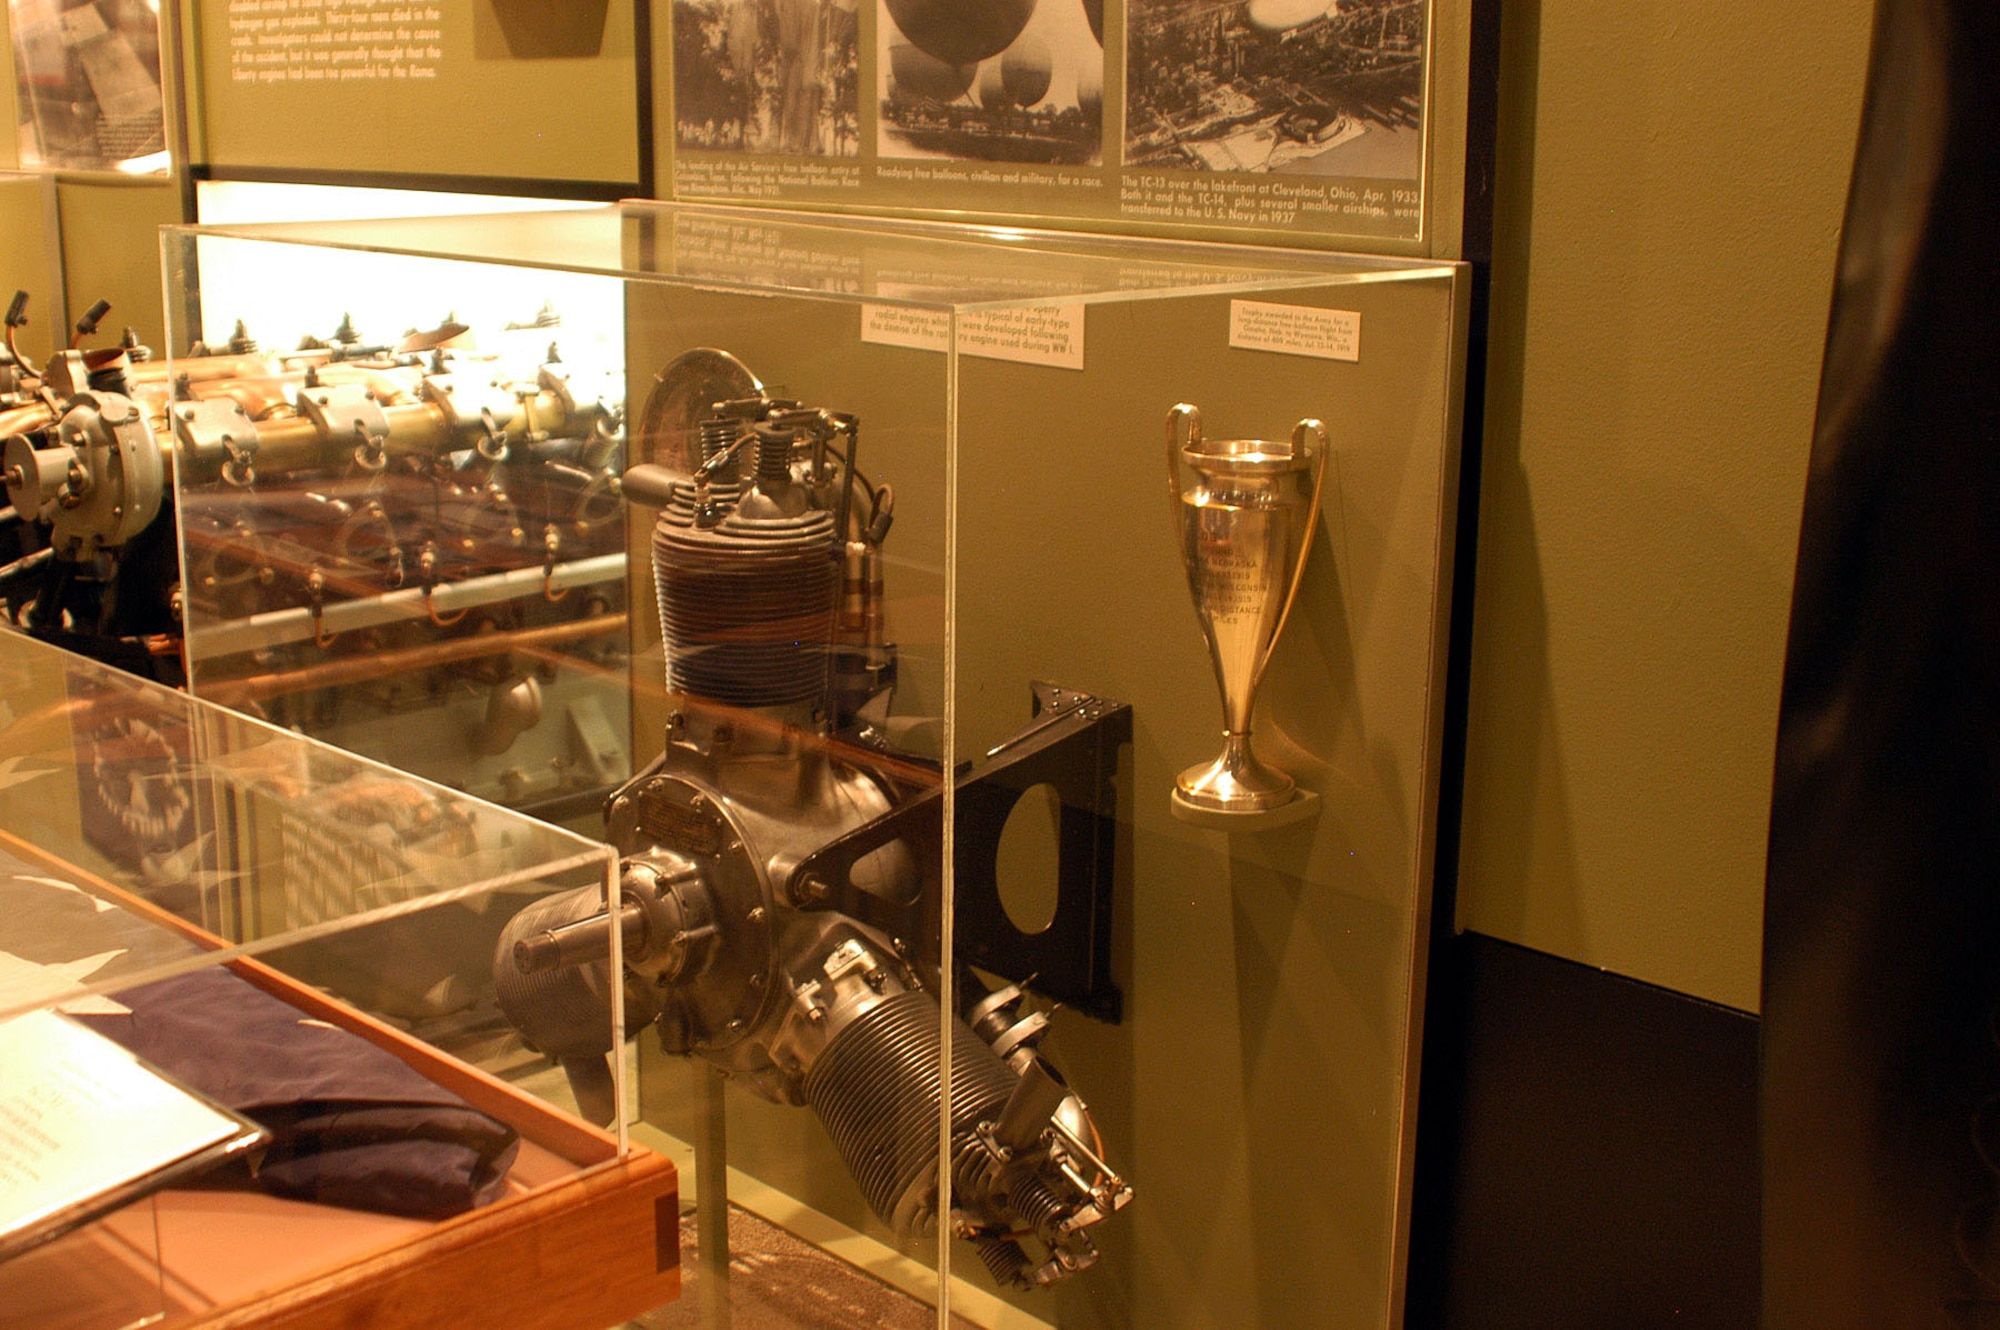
(747, 605)
(876, 1090)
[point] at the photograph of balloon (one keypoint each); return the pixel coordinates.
(767, 76)
(993, 80)
(1302, 87)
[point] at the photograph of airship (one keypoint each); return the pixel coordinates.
(993, 80)
(1302, 87)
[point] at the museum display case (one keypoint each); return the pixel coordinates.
(259, 1063)
(865, 585)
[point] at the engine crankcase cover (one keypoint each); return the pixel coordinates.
(727, 1005)
(745, 822)
(121, 473)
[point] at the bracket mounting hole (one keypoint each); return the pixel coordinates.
(1026, 866)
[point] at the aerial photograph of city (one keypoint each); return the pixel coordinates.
(1303, 87)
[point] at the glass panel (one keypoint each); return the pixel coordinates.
(105, 1275)
(403, 534)
(1256, 1089)
(289, 933)
(221, 836)
(793, 516)
(769, 251)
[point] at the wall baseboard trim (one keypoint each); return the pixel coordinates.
(1586, 1150)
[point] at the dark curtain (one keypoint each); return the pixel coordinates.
(1881, 1031)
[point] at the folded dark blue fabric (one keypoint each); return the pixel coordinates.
(351, 1124)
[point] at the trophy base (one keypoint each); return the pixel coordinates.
(1303, 806)
(1238, 793)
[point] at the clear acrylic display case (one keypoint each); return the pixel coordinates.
(322, 945)
(831, 570)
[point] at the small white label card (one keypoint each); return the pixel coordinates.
(1329, 334)
(1033, 335)
(897, 325)
(1049, 335)
(80, 1116)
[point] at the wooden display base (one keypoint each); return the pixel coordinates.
(1302, 807)
(583, 1239)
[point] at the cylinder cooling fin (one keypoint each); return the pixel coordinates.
(747, 606)
(877, 1090)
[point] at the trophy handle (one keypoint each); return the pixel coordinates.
(1308, 430)
(1188, 413)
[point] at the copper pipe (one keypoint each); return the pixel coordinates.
(25, 419)
(203, 369)
(375, 665)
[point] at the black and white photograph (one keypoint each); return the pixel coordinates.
(87, 80)
(1299, 87)
(767, 76)
(993, 80)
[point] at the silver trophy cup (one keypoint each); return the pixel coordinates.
(1245, 511)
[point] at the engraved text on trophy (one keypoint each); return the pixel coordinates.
(1236, 558)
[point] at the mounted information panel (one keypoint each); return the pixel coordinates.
(1288, 121)
(913, 653)
(491, 90)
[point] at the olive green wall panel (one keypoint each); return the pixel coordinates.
(27, 261)
(111, 251)
(1670, 197)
